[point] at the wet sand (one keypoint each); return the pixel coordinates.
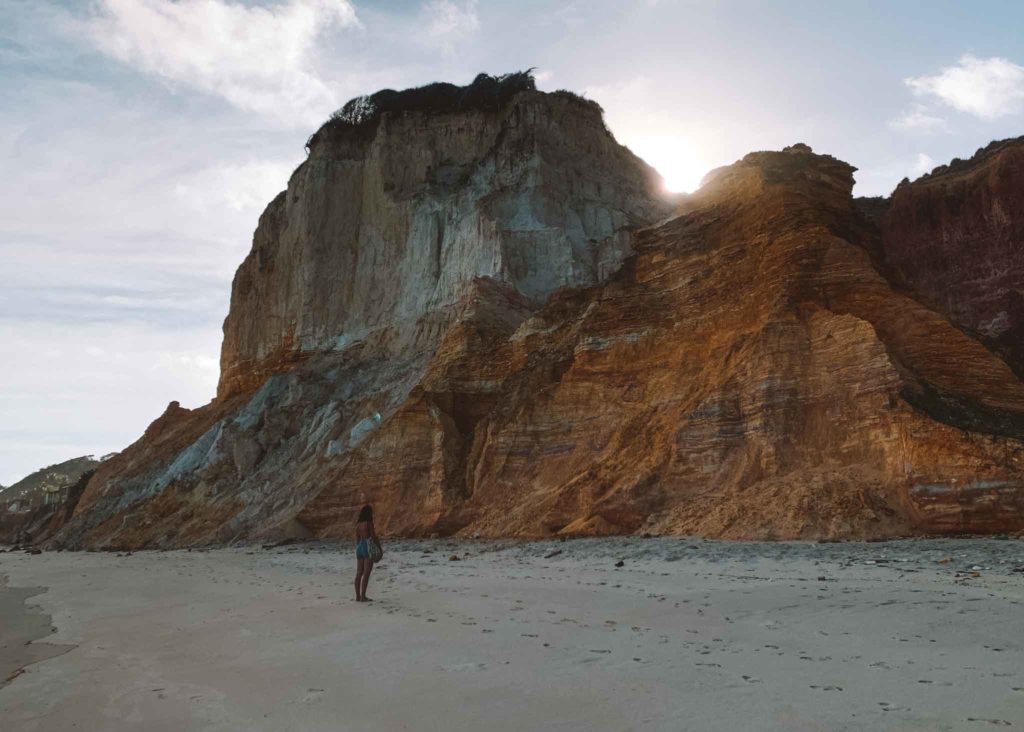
(21, 624)
(685, 635)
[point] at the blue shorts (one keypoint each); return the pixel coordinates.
(363, 549)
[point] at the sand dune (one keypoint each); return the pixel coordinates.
(685, 635)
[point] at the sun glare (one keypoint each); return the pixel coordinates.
(674, 158)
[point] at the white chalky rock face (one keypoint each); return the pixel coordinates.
(388, 222)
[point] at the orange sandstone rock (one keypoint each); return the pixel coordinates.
(761, 365)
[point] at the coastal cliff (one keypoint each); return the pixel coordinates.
(475, 309)
(956, 238)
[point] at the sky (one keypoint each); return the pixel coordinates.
(141, 139)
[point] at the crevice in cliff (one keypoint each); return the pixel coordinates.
(962, 411)
(458, 417)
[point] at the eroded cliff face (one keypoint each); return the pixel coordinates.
(956, 237)
(467, 332)
(392, 220)
(392, 235)
(747, 374)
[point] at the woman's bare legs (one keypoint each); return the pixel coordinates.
(360, 583)
(367, 567)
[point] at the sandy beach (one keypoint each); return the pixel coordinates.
(684, 635)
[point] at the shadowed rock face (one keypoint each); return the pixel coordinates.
(493, 350)
(956, 238)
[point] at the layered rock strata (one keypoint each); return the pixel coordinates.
(748, 373)
(956, 238)
(392, 219)
(477, 320)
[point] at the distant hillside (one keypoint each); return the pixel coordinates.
(33, 487)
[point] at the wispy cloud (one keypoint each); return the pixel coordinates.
(882, 179)
(919, 119)
(543, 76)
(449, 23)
(259, 59)
(925, 164)
(985, 87)
(91, 388)
(240, 187)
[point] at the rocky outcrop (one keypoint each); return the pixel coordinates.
(747, 374)
(406, 221)
(474, 317)
(955, 237)
(393, 217)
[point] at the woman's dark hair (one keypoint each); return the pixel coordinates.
(366, 514)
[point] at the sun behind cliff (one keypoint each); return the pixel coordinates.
(675, 158)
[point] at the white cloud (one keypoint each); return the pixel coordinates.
(79, 389)
(239, 187)
(987, 88)
(882, 179)
(919, 119)
(260, 59)
(449, 22)
(925, 164)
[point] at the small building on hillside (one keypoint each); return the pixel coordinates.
(17, 505)
(54, 494)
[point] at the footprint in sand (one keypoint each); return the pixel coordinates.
(312, 696)
(996, 722)
(887, 707)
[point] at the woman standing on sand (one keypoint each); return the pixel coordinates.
(366, 553)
